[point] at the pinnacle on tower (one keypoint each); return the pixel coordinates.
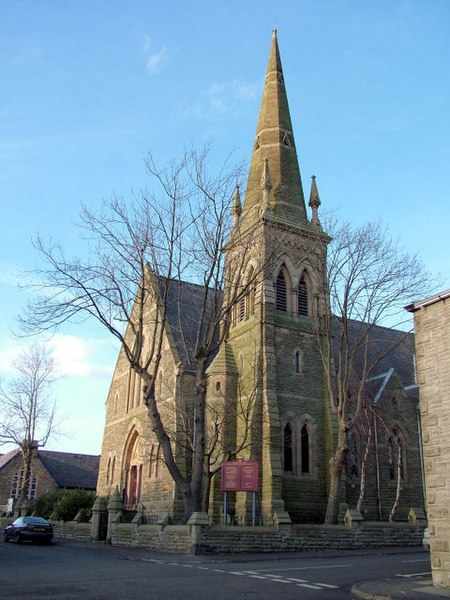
(314, 202)
(236, 210)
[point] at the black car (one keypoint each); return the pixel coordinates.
(34, 529)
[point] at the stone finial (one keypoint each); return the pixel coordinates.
(236, 211)
(314, 202)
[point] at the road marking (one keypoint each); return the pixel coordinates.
(269, 575)
(412, 574)
(416, 560)
(304, 568)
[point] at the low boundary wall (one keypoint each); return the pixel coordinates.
(198, 537)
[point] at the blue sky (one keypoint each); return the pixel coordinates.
(88, 88)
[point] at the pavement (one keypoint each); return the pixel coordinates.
(417, 588)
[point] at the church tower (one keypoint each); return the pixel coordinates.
(275, 269)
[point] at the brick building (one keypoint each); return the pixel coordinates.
(270, 362)
(432, 331)
(50, 471)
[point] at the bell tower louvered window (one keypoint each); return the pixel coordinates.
(302, 298)
(281, 296)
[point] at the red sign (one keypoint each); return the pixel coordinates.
(239, 476)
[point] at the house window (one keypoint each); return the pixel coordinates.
(302, 295)
(304, 441)
(17, 484)
(288, 448)
(281, 293)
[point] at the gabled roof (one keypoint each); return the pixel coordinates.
(71, 470)
(5, 458)
(399, 344)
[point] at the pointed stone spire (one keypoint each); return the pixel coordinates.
(314, 202)
(274, 142)
(236, 211)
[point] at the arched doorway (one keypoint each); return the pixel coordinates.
(133, 470)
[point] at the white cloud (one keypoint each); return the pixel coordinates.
(82, 357)
(155, 59)
(226, 98)
(89, 358)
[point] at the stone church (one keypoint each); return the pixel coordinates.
(276, 328)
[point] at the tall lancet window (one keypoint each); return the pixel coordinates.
(281, 295)
(288, 449)
(302, 295)
(304, 435)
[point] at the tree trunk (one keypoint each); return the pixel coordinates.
(362, 488)
(399, 484)
(336, 467)
(27, 454)
(198, 459)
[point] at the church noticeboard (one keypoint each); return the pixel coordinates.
(239, 476)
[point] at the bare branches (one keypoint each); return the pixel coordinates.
(369, 280)
(27, 412)
(133, 282)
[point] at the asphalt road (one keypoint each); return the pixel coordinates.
(69, 570)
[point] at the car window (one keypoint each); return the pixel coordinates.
(35, 520)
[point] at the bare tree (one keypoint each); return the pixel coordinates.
(140, 254)
(27, 409)
(369, 280)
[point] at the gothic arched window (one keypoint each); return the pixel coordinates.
(305, 453)
(352, 457)
(251, 292)
(302, 295)
(288, 448)
(297, 361)
(396, 456)
(281, 292)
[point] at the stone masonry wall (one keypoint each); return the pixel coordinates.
(432, 328)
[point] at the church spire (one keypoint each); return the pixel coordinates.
(274, 145)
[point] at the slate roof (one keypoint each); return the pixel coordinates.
(71, 470)
(183, 314)
(184, 307)
(400, 343)
(5, 458)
